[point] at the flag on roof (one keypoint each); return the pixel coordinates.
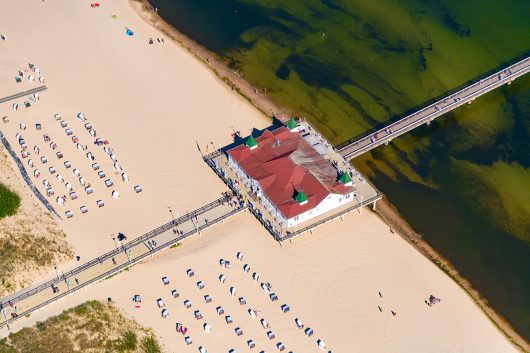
(301, 197)
(345, 178)
(292, 124)
(251, 142)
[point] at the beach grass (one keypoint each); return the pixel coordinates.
(9, 202)
(90, 327)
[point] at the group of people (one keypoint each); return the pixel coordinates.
(160, 40)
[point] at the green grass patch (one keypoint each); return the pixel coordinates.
(9, 202)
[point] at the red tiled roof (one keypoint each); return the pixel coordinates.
(283, 163)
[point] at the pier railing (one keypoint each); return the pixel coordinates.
(147, 236)
(26, 177)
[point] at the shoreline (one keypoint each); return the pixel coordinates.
(386, 211)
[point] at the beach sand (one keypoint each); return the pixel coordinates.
(155, 104)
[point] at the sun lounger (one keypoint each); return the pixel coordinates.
(251, 344)
(229, 319)
(238, 331)
(207, 298)
(220, 310)
(187, 304)
(165, 280)
(271, 335)
(160, 303)
(285, 308)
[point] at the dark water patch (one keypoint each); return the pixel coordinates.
(331, 5)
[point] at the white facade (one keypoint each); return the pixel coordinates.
(331, 202)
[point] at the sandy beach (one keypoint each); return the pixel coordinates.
(156, 104)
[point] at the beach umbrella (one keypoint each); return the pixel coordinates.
(95, 4)
(129, 32)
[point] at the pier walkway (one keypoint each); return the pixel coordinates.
(126, 255)
(352, 149)
(23, 94)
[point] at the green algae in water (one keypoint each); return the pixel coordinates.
(349, 66)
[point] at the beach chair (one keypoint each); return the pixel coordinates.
(101, 174)
(265, 287)
(83, 209)
(239, 256)
(207, 328)
(299, 323)
(160, 303)
(89, 191)
(187, 304)
(137, 298)
(242, 301)
(165, 313)
(64, 124)
(232, 351)
(52, 170)
(229, 319)
(280, 346)
(273, 297)
(165, 280)
(220, 310)
(189, 272)
(255, 276)
(202, 349)
(59, 154)
(67, 164)
(188, 340)
(73, 195)
(197, 314)
(271, 335)
(238, 331)
(285, 308)
(99, 203)
(200, 285)
(207, 298)
(44, 160)
(5, 119)
(69, 214)
(222, 278)
(246, 268)
(174, 293)
(232, 291)
(309, 332)
(95, 166)
(321, 344)
(251, 344)
(264, 323)
(137, 189)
